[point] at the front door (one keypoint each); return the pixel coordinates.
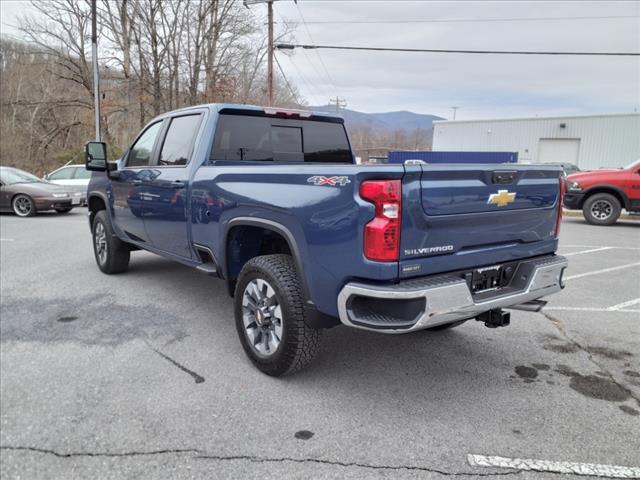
(128, 188)
(165, 194)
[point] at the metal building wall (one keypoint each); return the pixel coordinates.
(605, 140)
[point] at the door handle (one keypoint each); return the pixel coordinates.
(177, 184)
(136, 182)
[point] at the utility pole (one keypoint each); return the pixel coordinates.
(270, 60)
(454, 111)
(94, 60)
(340, 103)
(270, 48)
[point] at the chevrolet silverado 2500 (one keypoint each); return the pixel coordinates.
(272, 202)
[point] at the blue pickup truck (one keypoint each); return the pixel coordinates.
(272, 202)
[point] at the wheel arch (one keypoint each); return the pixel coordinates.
(610, 189)
(95, 203)
(33, 202)
(266, 225)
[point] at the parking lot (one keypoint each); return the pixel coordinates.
(142, 374)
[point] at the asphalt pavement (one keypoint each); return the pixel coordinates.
(141, 375)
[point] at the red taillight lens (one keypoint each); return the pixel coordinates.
(560, 205)
(382, 234)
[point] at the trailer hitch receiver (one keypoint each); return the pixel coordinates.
(495, 318)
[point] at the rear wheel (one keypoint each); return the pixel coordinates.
(270, 316)
(23, 205)
(601, 209)
(112, 254)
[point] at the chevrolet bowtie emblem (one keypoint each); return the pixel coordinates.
(502, 198)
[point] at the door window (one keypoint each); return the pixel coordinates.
(176, 148)
(82, 174)
(140, 153)
(62, 174)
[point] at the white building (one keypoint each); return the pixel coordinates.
(589, 141)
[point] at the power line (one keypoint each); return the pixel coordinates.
(318, 73)
(312, 91)
(293, 93)
(289, 46)
(469, 20)
(304, 23)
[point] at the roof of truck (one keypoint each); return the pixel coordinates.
(239, 106)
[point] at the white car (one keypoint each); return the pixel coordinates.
(76, 177)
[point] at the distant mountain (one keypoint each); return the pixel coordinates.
(401, 120)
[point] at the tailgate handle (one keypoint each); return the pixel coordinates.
(503, 177)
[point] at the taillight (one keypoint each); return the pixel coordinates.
(560, 205)
(382, 234)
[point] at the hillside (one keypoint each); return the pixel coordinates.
(386, 121)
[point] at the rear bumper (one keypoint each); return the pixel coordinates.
(436, 300)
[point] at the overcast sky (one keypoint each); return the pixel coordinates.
(483, 86)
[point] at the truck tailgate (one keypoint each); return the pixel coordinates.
(467, 216)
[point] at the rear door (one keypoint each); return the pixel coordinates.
(461, 216)
(165, 193)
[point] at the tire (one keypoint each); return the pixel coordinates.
(111, 253)
(601, 209)
(64, 210)
(269, 316)
(446, 326)
(23, 205)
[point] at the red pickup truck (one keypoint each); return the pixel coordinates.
(602, 194)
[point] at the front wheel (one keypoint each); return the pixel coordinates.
(601, 209)
(23, 205)
(269, 316)
(112, 254)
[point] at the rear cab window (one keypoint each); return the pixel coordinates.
(254, 137)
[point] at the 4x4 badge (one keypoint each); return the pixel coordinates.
(331, 181)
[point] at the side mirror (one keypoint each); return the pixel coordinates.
(95, 156)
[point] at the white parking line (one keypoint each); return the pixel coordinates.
(6, 239)
(592, 309)
(589, 469)
(598, 246)
(623, 305)
(604, 270)
(599, 249)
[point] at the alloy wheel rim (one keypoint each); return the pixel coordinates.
(262, 317)
(601, 209)
(22, 206)
(100, 241)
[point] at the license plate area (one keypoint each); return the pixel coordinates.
(489, 278)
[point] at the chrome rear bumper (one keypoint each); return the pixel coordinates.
(436, 300)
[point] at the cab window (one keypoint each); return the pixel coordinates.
(142, 151)
(178, 141)
(82, 174)
(62, 174)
